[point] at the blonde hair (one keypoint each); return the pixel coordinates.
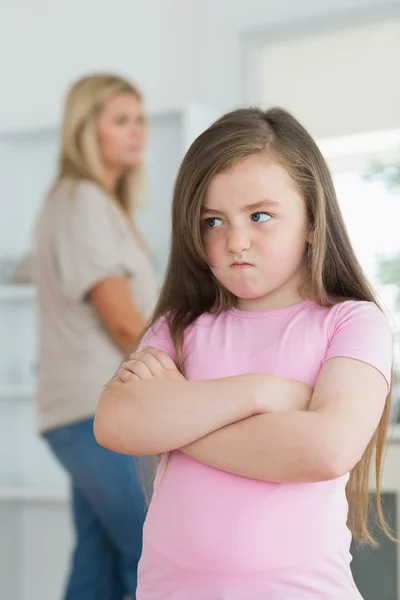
(79, 156)
(334, 273)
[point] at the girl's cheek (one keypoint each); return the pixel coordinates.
(211, 245)
(210, 253)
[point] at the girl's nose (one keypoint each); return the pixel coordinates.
(239, 240)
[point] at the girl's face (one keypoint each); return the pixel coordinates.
(255, 230)
(121, 133)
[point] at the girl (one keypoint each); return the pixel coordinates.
(262, 379)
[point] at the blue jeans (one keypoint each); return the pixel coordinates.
(108, 511)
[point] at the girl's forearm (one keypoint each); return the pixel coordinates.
(281, 447)
(155, 416)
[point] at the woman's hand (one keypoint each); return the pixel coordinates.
(150, 363)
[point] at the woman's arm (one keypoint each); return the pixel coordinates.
(112, 300)
(92, 263)
(322, 443)
(156, 410)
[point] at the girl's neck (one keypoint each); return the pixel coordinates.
(264, 304)
(287, 295)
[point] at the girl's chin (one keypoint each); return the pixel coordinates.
(247, 294)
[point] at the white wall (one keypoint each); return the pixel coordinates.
(177, 50)
(44, 45)
(226, 22)
(355, 88)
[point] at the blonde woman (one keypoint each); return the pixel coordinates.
(95, 289)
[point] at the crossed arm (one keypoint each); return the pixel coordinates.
(256, 425)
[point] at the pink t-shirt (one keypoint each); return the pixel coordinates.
(211, 535)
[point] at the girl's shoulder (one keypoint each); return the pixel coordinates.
(358, 310)
(360, 323)
(208, 321)
(157, 330)
(349, 315)
(159, 333)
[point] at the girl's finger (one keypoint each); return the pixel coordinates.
(126, 376)
(152, 363)
(162, 357)
(137, 367)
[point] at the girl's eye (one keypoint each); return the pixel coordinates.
(260, 217)
(213, 222)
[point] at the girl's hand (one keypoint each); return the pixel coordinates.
(150, 363)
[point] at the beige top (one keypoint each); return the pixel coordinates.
(82, 239)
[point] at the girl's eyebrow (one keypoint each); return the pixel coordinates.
(250, 207)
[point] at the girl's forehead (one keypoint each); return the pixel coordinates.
(251, 181)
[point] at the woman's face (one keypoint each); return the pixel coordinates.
(121, 133)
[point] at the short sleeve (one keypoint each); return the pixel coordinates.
(159, 336)
(88, 246)
(362, 331)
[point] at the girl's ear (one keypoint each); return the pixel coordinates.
(310, 237)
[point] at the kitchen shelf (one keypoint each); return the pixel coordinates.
(35, 495)
(17, 391)
(17, 292)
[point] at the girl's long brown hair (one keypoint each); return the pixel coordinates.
(334, 273)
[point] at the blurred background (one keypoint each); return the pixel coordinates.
(334, 65)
